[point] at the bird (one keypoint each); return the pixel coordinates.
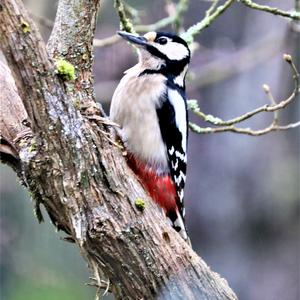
(149, 104)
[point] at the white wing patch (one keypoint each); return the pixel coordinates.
(180, 114)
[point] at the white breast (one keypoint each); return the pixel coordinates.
(133, 107)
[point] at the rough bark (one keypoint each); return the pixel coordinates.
(70, 165)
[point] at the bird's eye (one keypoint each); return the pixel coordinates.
(162, 40)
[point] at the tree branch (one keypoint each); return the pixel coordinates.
(125, 23)
(294, 15)
(107, 41)
(83, 180)
(23, 47)
(274, 107)
(13, 120)
(72, 40)
(197, 129)
(180, 8)
(208, 19)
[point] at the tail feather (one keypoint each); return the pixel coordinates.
(178, 224)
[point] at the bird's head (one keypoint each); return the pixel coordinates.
(161, 51)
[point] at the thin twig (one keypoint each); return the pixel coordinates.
(268, 92)
(228, 125)
(265, 108)
(125, 23)
(181, 8)
(211, 8)
(106, 135)
(249, 131)
(107, 287)
(294, 15)
(104, 285)
(197, 28)
(107, 41)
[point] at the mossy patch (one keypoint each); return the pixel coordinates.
(65, 69)
(25, 26)
(33, 146)
(140, 204)
(77, 103)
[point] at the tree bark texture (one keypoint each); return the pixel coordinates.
(55, 137)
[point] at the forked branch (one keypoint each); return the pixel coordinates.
(293, 14)
(228, 125)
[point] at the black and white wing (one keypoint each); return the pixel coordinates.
(172, 116)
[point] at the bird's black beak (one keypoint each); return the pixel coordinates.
(133, 38)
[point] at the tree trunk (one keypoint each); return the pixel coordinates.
(56, 139)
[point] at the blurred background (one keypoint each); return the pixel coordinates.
(242, 194)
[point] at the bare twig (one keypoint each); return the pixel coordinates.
(181, 8)
(197, 28)
(211, 8)
(107, 41)
(249, 131)
(294, 15)
(268, 92)
(229, 124)
(104, 285)
(176, 18)
(125, 23)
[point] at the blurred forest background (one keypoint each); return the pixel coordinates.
(242, 194)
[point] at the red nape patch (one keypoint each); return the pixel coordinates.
(161, 188)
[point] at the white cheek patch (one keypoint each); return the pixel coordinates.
(173, 50)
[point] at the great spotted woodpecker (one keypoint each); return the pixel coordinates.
(149, 104)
